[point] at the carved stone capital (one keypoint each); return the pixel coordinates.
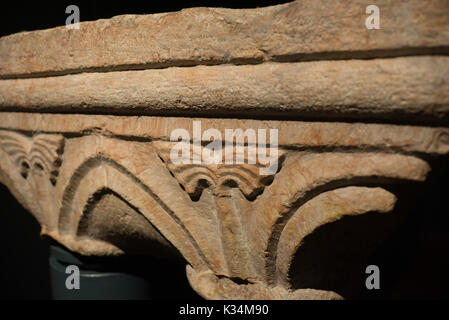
(86, 147)
(105, 185)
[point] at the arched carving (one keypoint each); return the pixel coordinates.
(125, 184)
(238, 230)
(322, 209)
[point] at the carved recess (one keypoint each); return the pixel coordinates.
(41, 153)
(117, 192)
(105, 184)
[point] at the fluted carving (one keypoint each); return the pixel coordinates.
(84, 148)
(120, 193)
(41, 152)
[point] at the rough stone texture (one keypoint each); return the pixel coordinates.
(414, 87)
(293, 31)
(92, 166)
(104, 184)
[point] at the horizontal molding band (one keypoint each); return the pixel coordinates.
(396, 89)
(297, 135)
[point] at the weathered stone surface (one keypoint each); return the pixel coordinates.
(414, 87)
(211, 287)
(85, 138)
(119, 165)
(291, 134)
(326, 208)
(301, 30)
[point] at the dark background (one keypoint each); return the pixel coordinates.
(413, 261)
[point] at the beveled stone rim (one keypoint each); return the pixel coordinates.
(291, 32)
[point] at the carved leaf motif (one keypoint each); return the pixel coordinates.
(245, 175)
(42, 152)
